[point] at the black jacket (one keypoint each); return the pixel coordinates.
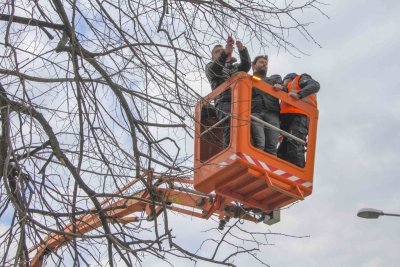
(265, 102)
(218, 71)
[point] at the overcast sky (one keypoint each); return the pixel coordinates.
(357, 161)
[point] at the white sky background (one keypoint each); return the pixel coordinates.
(356, 160)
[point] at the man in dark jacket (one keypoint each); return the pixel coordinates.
(265, 107)
(218, 71)
(293, 120)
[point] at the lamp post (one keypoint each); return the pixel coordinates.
(368, 213)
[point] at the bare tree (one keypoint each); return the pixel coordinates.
(95, 93)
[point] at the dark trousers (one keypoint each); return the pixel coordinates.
(223, 110)
(290, 150)
(265, 138)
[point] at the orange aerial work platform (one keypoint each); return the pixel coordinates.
(242, 172)
(248, 183)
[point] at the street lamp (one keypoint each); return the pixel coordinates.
(368, 213)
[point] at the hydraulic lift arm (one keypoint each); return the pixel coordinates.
(167, 192)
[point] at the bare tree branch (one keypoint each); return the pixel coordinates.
(96, 94)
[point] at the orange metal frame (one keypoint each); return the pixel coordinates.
(243, 177)
(168, 194)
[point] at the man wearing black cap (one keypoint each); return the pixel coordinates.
(293, 120)
(266, 107)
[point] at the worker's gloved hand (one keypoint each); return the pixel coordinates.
(239, 45)
(229, 50)
(241, 74)
(278, 87)
(294, 95)
(230, 41)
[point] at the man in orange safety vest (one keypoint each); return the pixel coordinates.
(293, 120)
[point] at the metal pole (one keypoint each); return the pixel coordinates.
(215, 125)
(391, 214)
(288, 135)
(188, 190)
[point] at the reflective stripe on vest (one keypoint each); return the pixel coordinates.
(310, 99)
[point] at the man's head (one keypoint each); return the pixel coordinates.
(216, 51)
(260, 65)
(289, 77)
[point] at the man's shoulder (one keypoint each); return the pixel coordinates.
(307, 80)
(268, 80)
(276, 78)
(305, 77)
(211, 67)
(209, 64)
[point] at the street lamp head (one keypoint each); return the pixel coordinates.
(369, 213)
